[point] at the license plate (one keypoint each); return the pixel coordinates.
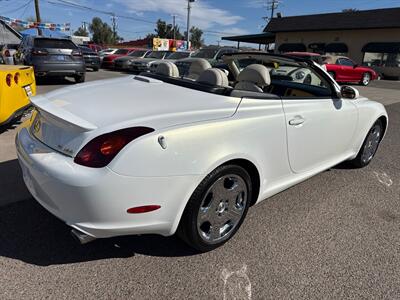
(28, 90)
(59, 57)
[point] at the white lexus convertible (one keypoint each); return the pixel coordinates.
(164, 153)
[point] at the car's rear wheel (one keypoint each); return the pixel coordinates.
(95, 69)
(80, 78)
(366, 79)
(217, 208)
(370, 146)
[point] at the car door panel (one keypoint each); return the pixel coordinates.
(318, 131)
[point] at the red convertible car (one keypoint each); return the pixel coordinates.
(108, 61)
(341, 68)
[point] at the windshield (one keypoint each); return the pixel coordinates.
(286, 71)
(179, 55)
(156, 54)
(205, 53)
(138, 53)
(121, 51)
(54, 43)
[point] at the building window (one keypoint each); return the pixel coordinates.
(292, 47)
(381, 55)
(381, 59)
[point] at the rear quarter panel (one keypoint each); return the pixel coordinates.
(256, 133)
(14, 97)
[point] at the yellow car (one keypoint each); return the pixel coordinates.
(17, 84)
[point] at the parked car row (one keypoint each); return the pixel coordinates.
(341, 68)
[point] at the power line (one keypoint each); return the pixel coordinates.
(18, 8)
(69, 4)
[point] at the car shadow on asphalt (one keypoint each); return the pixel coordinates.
(9, 126)
(54, 81)
(30, 234)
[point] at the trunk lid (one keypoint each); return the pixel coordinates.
(69, 117)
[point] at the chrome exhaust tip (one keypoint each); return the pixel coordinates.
(81, 237)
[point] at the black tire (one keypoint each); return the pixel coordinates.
(95, 69)
(364, 157)
(79, 78)
(189, 228)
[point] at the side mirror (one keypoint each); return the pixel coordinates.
(348, 92)
(355, 66)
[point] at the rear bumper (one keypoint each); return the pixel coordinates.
(59, 69)
(95, 201)
(15, 115)
(92, 62)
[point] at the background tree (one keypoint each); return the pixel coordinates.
(102, 32)
(196, 37)
(166, 31)
(81, 32)
(347, 10)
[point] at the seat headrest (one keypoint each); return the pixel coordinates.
(167, 68)
(197, 67)
(255, 73)
(214, 77)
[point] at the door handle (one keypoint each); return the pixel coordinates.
(298, 120)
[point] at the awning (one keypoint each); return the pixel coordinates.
(382, 48)
(260, 38)
(292, 47)
(336, 48)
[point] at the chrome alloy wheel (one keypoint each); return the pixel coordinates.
(372, 143)
(222, 208)
(366, 79)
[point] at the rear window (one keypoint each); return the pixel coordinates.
(138, 53)
(54, 43)
(178, 55)
(121, 51)
(205, 53)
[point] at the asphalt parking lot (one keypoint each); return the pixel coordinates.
(336, 235)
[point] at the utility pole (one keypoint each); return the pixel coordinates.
(272, 5)
(174, 24)
(114, 26)
(84, 26)
(38, 19)
(188, 23)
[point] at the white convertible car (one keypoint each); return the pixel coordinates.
(160, 153)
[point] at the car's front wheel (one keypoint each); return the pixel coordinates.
(217, 208)
(366, 79)
(370, 146)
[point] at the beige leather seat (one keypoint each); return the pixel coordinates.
(197, 67)
(253, 78)
(215, 77)
(167, 68)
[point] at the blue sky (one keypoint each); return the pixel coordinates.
(216, 18)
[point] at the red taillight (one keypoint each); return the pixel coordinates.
(9, 79)
(16, 78)
(39, 52)
(142, 209)
(100, 151)
(7, 53)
